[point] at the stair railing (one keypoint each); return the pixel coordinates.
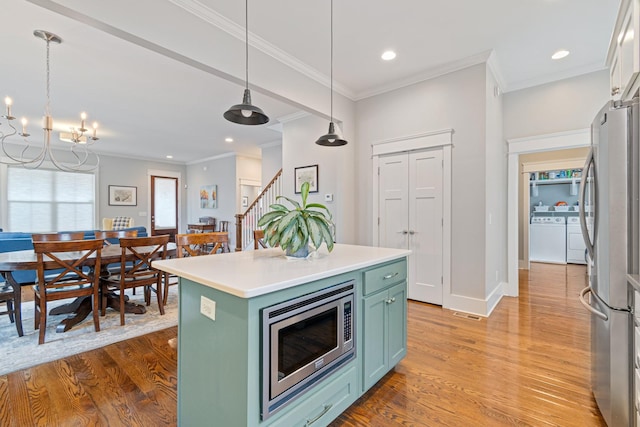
(247, 222)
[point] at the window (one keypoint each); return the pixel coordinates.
(40, 200)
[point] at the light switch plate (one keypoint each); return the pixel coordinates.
(208, 307)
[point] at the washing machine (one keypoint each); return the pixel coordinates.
(548, 239)
(576, 248)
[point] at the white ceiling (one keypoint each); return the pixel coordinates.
(151, 105)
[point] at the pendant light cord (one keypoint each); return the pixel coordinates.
(246, 37)
(331, 84)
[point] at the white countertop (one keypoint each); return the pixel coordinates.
(249, 274)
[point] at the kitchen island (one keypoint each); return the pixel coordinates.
(220, 331)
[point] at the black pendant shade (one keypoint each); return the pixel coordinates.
(331, 139)
(245, 113)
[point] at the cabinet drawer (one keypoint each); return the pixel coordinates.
(329, 400)
(382, 277)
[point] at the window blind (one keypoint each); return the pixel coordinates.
(41, 200)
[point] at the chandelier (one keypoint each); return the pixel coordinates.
(33, 156)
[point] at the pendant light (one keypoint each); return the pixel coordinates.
(246, 113)
(331, 139)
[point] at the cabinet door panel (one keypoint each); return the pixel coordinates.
(397, 323)
(375, 338)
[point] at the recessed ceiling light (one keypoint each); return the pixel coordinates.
(388, 55)
(228, 140)
(169, 156)
(560, 54)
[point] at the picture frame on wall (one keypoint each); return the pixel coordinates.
(245, 201)
(306, 174)
(209, 197)
(121, 195)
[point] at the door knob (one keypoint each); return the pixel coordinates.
(402, 232)
(412, 232)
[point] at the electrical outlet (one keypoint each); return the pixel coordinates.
(208, 307)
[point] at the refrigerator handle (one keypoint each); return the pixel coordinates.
(581, 204)
(586, 304)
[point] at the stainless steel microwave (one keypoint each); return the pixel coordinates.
(303, 340)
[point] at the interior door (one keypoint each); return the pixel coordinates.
(425, 226)
(410, 217)
(164, 206)
(394, 195)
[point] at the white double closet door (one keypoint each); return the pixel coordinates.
(411, 217)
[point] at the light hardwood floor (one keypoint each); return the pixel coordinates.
(526, 365)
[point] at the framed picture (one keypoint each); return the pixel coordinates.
(123, 196)
(245, 201)
(306, 174)
(209, 197)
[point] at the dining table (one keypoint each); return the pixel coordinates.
(80, 308)
(202, 227)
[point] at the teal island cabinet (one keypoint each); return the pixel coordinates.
(221, 380)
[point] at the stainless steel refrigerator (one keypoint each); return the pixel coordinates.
(607, 194)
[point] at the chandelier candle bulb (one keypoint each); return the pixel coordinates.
(24, 127)
(95, 128)
(83, 117)
(8, 101)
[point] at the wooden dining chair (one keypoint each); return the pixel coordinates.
(188, 245)
(57, 237)
(136, 270)
(258, 240)
(76, 277)
(113, 236)
(11, 297)
(201, 244)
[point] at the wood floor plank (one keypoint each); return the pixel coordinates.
(526, 365)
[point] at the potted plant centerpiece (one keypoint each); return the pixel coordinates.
(293, 229)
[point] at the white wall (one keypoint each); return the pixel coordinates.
(133, 172)
(335, 170)
(567, 104)
(456, 101)
(496, 195)
(220, 172)
(247, 168)
(271, 161)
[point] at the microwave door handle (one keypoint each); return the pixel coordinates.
(586, 304)
(581, 203)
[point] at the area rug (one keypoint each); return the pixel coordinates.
(24, 352)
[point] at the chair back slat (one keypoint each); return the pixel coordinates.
(57, 237)
(201, 243)
(113, 236)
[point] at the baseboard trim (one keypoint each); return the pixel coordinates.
(480, 307)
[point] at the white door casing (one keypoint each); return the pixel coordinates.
(426, 196)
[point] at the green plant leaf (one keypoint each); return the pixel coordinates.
(278, 207)
(314, 231)
(288, 233)
(286, 219)
(297, 242)
(302, 225)
(304, 193)
(326, 235)
(268, 217)
(293, 202)
(271, 234)
(319, 206)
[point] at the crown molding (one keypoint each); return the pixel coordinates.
(208, 159)
(494, 66)
(230, 27)
(434, 72)
(554, 77)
